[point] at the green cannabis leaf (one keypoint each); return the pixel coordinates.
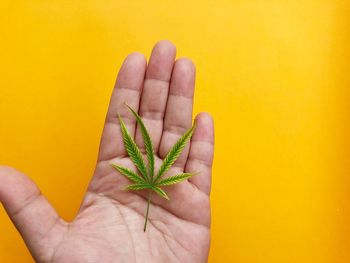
(147, 178)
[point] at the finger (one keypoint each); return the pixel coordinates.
(36, 220)
(155, 91)
(201, 154)
(127, 90)
(178, 116)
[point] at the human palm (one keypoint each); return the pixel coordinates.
(109, 225)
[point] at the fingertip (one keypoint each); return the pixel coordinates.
(161, 61)
(15, 188)
(136, 60)
(204, 128)
(131, 73)
(165, 46)
(204, 119)
(205, 116)
(136, 56)
(183, 78)
(185, 64)
(11, 176)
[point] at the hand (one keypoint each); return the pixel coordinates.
(109, 225)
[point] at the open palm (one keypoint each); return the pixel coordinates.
(109, 225)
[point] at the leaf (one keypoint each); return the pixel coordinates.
(174, 153)
(148, 143)
(145, 179)
(161, 192)
(137, 186)
(133, 150)
(131, 175)
(174, 179)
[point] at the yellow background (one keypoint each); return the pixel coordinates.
(274, 74)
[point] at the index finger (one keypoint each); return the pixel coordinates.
(127, 90)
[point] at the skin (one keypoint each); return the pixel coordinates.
(109, 225)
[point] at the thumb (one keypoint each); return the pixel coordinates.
(36, 220)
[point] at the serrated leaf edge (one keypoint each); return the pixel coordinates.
(147, 142)
(131, 175)
(174, 179)
(174, 153)
(132, 149)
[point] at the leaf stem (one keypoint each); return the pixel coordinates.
(147, 210)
